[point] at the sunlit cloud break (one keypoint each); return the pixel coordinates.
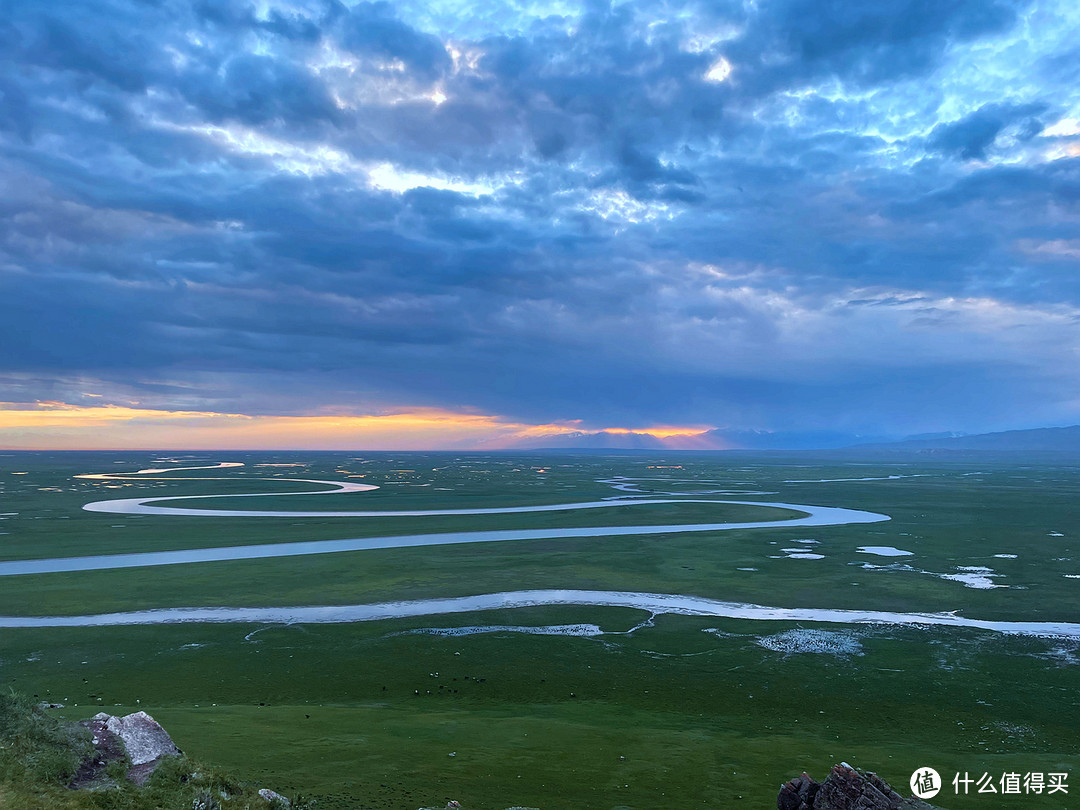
(58, 425)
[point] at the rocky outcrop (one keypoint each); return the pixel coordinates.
(845, 788)
(138, 737)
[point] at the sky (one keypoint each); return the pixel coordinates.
(458, 224)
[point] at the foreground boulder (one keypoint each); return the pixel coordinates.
(845, 788)
(136, 736)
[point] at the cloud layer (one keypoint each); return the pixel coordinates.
(774, 215)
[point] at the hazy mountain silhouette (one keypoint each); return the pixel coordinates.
(1055, 440)
(1035, 440)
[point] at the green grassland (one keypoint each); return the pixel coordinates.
(666, 716)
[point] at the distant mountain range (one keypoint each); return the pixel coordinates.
(619, 440)
(1057, 440)
(1037, 440)
(718, 439)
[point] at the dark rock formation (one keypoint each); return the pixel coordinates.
(845, 788)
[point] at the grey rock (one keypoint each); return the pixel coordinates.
(144, 738)
(146, 742)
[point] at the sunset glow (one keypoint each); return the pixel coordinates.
(58, 425)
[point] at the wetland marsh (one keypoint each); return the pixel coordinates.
(583, 663)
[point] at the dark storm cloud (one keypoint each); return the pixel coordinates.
(373, 28)
(865, 43)
(255, 89)
(970, 137)
(771, 215)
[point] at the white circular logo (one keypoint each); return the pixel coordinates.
(925, 783)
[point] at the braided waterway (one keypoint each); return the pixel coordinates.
(812, 515)
(657, 603)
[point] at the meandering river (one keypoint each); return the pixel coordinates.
(812, 515)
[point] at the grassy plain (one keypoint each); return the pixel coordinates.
(667, 716)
